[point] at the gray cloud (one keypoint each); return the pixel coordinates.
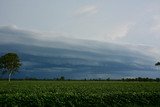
(86, 10)
(82, 58)
(13, 34)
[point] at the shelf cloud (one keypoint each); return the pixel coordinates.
(76, 58)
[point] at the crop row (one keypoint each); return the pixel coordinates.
(71, 94)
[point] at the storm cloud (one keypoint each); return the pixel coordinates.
(76, 58)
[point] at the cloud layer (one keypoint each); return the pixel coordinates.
(75, 58)
(135, 22)
(13, 34)
(86, 10)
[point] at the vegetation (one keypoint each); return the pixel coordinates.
(84, 93)
(157, 64)
(78, 93)
(62, 78)
(9, 63)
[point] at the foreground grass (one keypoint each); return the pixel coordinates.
(78, 93)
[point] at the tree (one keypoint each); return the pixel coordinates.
(62, 78)
(157, 64)
(9, 63)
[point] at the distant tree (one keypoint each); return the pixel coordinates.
(62, 78)
(9, 63)
(157, 64)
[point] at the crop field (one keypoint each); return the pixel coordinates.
(78, 94)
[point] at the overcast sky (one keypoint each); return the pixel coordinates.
(121, 21)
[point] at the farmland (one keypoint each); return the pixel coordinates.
(79, 93)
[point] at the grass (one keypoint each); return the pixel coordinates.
(78, 93)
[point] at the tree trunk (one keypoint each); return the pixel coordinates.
(9, 77)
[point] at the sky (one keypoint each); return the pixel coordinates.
(120, 21)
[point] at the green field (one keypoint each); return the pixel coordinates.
(78, 93)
